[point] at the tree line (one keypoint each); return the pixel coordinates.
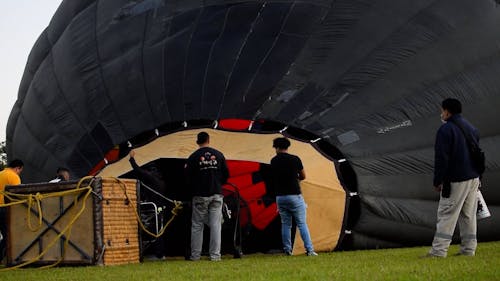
(3, 155)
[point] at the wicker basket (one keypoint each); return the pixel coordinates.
(106, 232)
(120, 228)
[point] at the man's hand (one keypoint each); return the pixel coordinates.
(132, 153)
(438, 188)
(302, 175)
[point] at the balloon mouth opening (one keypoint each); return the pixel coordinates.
(247, 146)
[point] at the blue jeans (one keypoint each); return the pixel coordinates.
(206, 210)
(293, 206)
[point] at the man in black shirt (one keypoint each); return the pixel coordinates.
(206, 171)
(287, 170)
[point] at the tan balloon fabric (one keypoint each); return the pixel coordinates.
(322, 191)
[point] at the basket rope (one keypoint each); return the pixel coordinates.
(175, 211)
(31, 199)
(34, 201)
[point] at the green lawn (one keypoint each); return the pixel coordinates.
(392, 264)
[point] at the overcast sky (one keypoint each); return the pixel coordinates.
(21, 22)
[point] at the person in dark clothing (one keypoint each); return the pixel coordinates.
(458, 181)
(286, 171)
(62, 174)
(206, 171)
(153, 179)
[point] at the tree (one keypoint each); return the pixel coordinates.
(3, 155)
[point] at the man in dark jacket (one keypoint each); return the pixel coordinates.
(206, 171)
(457, 179)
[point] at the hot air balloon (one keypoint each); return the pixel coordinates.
(356, 84)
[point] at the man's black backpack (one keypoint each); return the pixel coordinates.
(476, 153)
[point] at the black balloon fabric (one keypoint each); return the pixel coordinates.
(365, 76)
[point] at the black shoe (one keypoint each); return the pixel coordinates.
(464, 254)
(429, 255)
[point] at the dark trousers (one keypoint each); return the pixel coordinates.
(3, 229)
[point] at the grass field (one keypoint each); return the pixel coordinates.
(391, 264)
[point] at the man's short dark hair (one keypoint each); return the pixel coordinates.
(202, 138)
(62, 169)
(16, 163)
(452, 105)
(281, 143)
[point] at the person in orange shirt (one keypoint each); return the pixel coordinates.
(8, 176)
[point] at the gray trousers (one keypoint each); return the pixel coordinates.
(206, 210)
(461, 206)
